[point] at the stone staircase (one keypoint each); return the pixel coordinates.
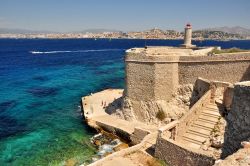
(200, 129)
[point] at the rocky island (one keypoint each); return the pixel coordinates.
(180, 105)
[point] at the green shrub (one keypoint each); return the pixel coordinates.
(155, 162)
(230, 50)
(161, 115)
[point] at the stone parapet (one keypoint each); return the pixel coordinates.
(176, 58)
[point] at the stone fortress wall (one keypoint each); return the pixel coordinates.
(233, 67)
(152, 80)
(165, 74)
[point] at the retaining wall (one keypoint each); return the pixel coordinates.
(114, 130)
(175, 154)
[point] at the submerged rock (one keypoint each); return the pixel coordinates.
(106, 145)
(4, 106)
(43, 91)
(71, 162)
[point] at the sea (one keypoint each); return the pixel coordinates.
(41, 85)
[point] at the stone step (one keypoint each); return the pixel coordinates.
(210, 115)
(191, 144)
(219, 100)
(195, 138)
(213, 119)
(215, 106)
(211, 112)
(201, 131)
(206, 121)
(218, 104)
(196, 133)
(204, 124)
(191, 140)
(211, 109)
(202, 127)
(212, 104)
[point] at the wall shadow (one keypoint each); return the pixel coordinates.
(225, 148)
(237, 121)
(201, 86)
(113, 107)
(246, 75)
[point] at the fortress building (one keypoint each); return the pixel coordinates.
(155, 75)
(165, 80)
(199, 120)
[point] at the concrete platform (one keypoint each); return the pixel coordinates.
(95, 115)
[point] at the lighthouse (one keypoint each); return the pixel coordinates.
(188, 37)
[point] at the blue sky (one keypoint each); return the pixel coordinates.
(126, 15)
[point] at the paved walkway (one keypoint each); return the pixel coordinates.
(119, 161)
(94, 110)
(94, 104)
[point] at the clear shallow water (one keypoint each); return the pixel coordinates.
(41, 83)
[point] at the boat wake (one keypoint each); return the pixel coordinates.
(56, 52)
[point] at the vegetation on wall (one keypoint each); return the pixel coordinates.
(230, 50)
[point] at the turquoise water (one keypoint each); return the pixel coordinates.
(41, 83)
(41, 121)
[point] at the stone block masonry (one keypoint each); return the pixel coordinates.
(140, 79)
(175, 154)
(227, 71)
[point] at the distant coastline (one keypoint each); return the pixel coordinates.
(194, 39)
(198, 35)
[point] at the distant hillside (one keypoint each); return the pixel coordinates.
(223, 33)
(97, 31)
(26, 31)
(232, 30)
(212, 34)
(21, 31)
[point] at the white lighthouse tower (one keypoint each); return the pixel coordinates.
(188, 37)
